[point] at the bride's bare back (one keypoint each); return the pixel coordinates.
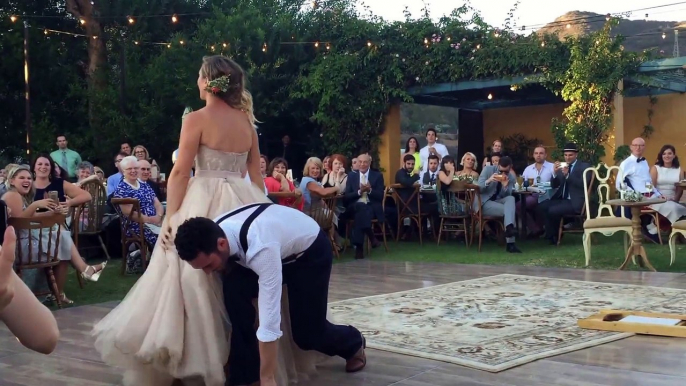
(225, 129)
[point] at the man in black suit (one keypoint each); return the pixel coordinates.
(569, 199)
(363, 197)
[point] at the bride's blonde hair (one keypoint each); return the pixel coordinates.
(235, 93)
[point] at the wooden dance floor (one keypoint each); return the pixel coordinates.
(639, 360)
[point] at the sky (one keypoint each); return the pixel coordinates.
(533, 12)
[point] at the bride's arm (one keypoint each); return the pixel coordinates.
(181, 172)
(254, 163)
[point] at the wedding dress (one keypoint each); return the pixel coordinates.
(173, 324)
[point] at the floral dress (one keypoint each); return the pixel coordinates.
(146, 197)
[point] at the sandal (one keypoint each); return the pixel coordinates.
(95, 275)
(66, 300)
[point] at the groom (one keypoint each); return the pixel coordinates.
(260, 247)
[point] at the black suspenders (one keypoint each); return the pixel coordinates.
(243, 234)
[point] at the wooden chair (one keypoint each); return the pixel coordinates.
(456, 210)
(275, 196)
(480, 220)
(581, 217)
(90, 217)
(678, 228)
(45, 256)
(324, 216)
(137, 239)
(606, 224)
(405, 209)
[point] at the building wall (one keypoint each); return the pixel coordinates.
(669, 121)
(532, 121)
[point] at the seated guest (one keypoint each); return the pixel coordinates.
(337, 177)
(409, 180)
(570, 197)
(309, 184)
(142, 154)
(541, 171)
(85, 172)
(21, 203)
(431, 174)
(151, 210)
(114, 179)
(496, 148)
(99, 173)
(412, 148)
(363, 197)
(494, 159)
(468, 163)
(353, 165)
(145, 173)
(264, 161)
(46, 180)
(327, 165)
(665, 174)
(277, 182)
(496, 183)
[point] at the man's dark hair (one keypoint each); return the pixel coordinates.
(429, 130)
(61, 135)
(121, 153)
(434, 156)
(505, 162)
(197, 235)
(408, 157)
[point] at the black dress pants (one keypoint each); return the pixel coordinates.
(307, 281)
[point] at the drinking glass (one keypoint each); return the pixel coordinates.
(530, 181)
(520, 180)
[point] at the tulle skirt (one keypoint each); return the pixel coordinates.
(173, 323)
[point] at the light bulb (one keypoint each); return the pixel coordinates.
(212, 48)
(328, 46)
(135, 42)
(131, 20)
(181, 42)
(224, 45)
(13, 18)
(45, 32)
(82, 21)
(664, 35)
(490, 96)
(542, 44)
(316, 44)
(175, 18)
(369, 44)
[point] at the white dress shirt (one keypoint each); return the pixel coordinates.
(424, 154)
(276, 233)
(546, 172)
(638, 173)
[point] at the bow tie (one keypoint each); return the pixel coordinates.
(640, 159)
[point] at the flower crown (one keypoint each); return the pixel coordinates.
(221, 84)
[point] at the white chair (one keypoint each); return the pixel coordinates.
(678, 228)
(606, 224)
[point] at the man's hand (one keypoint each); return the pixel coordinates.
(556, 167)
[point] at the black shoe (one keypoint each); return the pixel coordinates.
(510, 231)
(359, 252)
(512, 248)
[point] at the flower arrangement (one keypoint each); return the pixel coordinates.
(464, 177)
(633, 196)
(221, 84)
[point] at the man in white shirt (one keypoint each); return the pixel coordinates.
(635, 171)
(433, 147)
(259, 248)
(541, 171)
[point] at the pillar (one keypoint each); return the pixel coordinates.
(389, 146)
(616, 135)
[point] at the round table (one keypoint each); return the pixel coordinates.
(636, 249)
(523, 194)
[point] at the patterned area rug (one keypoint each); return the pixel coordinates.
(498, 322)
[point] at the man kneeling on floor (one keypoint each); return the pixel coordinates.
(260, 247)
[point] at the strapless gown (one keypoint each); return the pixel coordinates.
(173, 324)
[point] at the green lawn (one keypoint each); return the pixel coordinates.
(607, 253)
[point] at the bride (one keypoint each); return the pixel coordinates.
(172, 325)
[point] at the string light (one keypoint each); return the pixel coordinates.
(45, 32)
(135, 42)
(264, 47)
(13, 18)
(95, 37)
(174, 18)
(369, 44)
(82, 21)
(490, 96)
(212, 48)
(224, 45)
(131, 20)
(316, 44)
(426, 41)
(169, 45)
(542, 44)
(328, 46)
(664, 35)
(181, 42)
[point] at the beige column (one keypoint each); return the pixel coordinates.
(389, 147)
